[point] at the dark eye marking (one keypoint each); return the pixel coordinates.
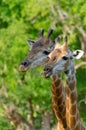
(65, 58)
(46, 52)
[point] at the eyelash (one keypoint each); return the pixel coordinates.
(46, 52)
(65, 58)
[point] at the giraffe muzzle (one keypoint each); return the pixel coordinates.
(47, 71)
(24, 66)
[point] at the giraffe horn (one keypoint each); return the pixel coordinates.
(49, 33)
(65, 39)
(65, 45)
(47, 40)
(41, 33)
(57, 41)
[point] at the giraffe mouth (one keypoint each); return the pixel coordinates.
(47, 71)
(24, 66)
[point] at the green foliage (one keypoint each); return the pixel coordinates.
(21, 20)
(7, 125)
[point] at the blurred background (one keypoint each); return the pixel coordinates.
(25, 98)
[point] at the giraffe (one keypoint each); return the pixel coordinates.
(58, 98)
(61, 60)
(37, 57)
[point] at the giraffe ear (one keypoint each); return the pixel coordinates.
(78, 54)
(30, 42)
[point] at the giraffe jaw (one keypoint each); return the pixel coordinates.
(47, 71)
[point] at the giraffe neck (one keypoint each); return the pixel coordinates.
(58, 101)
(72, 112)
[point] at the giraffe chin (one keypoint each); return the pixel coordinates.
(22, 68)
(47, 71)
(46, 74)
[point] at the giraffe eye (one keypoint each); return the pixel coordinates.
(65, 58)
(46, 52)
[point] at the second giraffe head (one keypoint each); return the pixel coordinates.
(61, 59)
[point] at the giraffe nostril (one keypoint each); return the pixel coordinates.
(25, 63)
(47, 68)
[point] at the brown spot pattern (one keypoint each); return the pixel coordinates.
(73, 109)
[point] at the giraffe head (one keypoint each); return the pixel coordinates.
(61, 58)
(39, 50)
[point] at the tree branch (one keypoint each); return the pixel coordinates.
(17, 120)
(79, 65)
(83, 100)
